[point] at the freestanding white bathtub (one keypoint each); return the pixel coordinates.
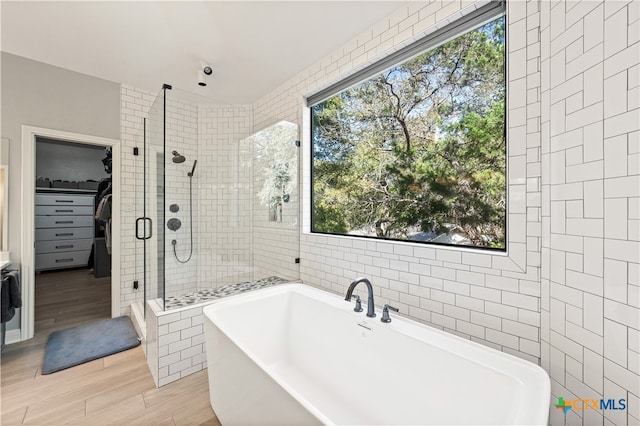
(293, 354)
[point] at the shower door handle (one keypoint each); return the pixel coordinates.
(138, 228)
(150, 228)
(144, 228)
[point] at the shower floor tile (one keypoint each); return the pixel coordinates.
(220, 292)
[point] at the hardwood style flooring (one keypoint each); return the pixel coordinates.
(117, 389)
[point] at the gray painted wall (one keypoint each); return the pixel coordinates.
(37, 94)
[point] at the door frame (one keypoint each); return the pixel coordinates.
(29, 134)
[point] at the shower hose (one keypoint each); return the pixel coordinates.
(174, 242)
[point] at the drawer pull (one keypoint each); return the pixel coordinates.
(64, 211)
(64, 260)
(64, 234)
(64, 201)
(64, 247)
(64, 221)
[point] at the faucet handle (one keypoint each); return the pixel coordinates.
(385, 313)
(358, 307)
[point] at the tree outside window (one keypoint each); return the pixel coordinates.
(418, 152)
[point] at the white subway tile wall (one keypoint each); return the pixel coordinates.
(179, 344)
(182, 136)
(571, 274)
(589, 68)
(443, 287)
(224, 209)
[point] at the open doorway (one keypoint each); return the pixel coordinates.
(73, 222)
(28, 266)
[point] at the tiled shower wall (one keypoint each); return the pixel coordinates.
(591, 198)
(224, 255)
(567, 294)
(182, 136)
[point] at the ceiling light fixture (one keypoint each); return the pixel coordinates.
(202, 75)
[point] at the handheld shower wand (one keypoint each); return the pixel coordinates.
(174, 242)
(190, 174)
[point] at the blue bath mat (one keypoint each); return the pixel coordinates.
(77, 345)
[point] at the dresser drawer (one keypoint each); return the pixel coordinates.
(55, 234)
(62, 260)
(64, 210)
(64, 200)
(63, 245)
(63, 221)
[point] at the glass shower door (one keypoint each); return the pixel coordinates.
(154, 200)
(149, 221)
(139, 278)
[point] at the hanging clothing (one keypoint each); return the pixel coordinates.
(104, 209)
(107, 236)
(104, 189)
(99, 208)
(103, 214)
(102, 186)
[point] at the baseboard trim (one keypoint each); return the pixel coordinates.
(12, 336)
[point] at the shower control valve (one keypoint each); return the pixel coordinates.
(174, 224)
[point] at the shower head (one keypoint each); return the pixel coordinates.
(177, 158)
(193, 169)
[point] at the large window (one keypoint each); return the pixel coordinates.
(418, 152)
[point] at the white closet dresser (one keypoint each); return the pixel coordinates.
(64, 230)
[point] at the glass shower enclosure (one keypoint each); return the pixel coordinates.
(215, 203)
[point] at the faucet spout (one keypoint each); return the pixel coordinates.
(370, 306)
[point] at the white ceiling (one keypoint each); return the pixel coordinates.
(253, 46)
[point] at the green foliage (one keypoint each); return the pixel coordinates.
(418, 148)
(329, 218)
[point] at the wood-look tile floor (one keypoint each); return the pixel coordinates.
(117, 389)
